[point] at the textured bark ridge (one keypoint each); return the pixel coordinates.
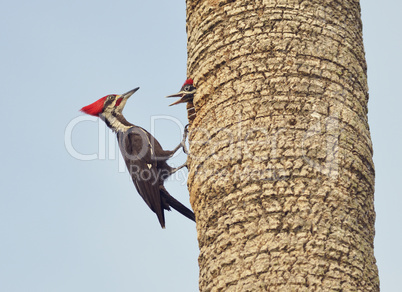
(281, 176)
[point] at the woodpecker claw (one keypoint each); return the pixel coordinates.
(183, 142)
(178, 168)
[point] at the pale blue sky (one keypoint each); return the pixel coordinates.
(73, 225)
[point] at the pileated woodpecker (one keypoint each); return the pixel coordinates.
(144, 156)
(186, 94)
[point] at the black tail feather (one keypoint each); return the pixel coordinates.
(175, 204)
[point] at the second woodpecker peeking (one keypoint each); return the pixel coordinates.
(186, 95)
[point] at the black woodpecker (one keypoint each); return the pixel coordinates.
(145, 159)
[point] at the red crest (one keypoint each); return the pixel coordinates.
(188, 82)
(95, 108)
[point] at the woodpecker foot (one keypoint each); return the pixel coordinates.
(181, 145)
(183, 142)
(178, 168)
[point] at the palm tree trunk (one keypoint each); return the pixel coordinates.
(281, 176)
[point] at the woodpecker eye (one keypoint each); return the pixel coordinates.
(187, 88)
(111, 97)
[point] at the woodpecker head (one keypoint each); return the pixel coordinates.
(186, 92)
(108, 104)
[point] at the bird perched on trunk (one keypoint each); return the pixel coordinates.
(186, 94)
(144, 156)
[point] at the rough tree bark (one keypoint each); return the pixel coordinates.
(281, 176)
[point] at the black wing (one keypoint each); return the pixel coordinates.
(137, 150)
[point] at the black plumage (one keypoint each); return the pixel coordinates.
(146, 162)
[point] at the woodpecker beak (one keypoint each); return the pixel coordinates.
(122, 99)
(181, 94)
(181, 100)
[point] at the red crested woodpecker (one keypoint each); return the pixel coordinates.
(186, 94)
(144, 156)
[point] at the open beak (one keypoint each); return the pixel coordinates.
(181, 100)
(179, 94)
(121, 102)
